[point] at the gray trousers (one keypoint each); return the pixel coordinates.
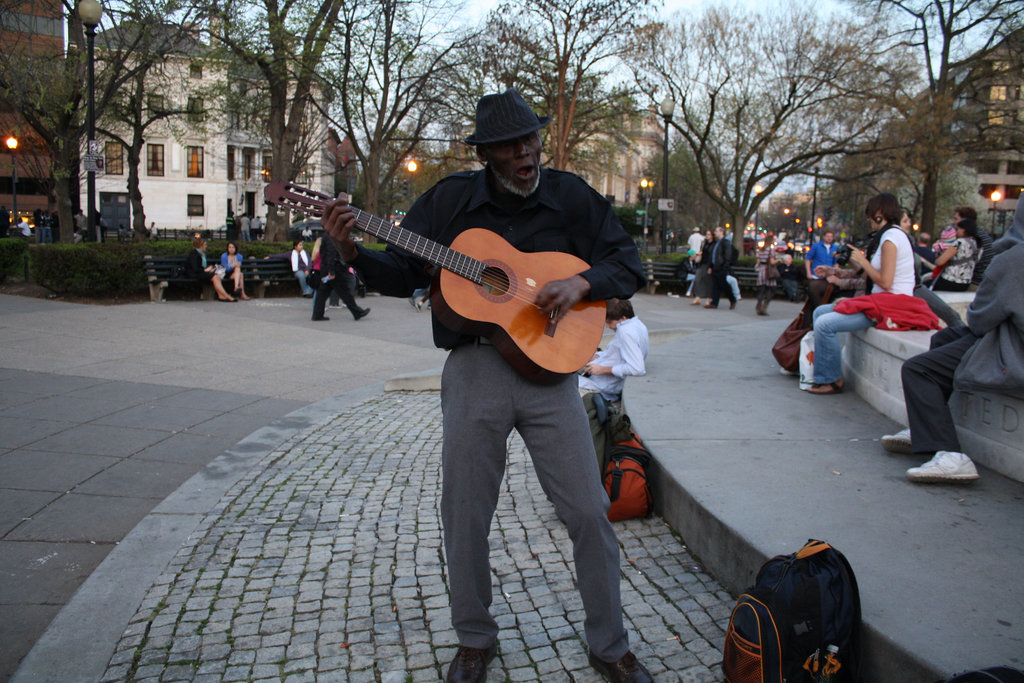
(483, 399)
(939, 306)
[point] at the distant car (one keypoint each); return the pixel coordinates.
(295, 229)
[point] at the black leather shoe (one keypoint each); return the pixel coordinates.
(316, 320)
(470, 665)
(361, 314)
(626, 670)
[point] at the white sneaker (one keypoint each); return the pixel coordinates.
(898, 442)
(946, 466)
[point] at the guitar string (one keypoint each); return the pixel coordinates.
(316, 206)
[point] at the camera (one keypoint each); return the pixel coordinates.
(843, 253)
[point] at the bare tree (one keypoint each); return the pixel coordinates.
(285, 42)
(393, 60)
(130, 115)
(955, 40)
(46, 85)
(762, 99)
(563, 53)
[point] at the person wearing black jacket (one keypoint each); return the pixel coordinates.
(335, 275)
(789, 276)
(197, 268)
(721, 259)
(483, 397)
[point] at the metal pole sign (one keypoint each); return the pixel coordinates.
(666, 205)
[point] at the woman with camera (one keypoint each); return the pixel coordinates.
(889, 265)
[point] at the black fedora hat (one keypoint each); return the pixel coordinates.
(504, 116)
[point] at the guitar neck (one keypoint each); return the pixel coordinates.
(419, 246)
(312, 203)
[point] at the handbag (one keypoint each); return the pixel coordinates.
(314, 279)
(787, 347)
(773, 272)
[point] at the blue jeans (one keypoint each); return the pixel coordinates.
(828, 357)
(300, 275)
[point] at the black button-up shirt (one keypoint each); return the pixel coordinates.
(564, 214)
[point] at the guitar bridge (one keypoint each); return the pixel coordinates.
(552, 324)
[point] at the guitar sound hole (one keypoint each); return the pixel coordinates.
(494, 281)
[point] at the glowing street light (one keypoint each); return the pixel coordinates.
(995, 197)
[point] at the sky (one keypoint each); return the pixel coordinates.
(478, 8)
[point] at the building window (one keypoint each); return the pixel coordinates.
(1012, 167)
(195, 162)
(997, 93)
(988, 166)
(268, 166)
(195, 205)
(195, 70)
(155, 104)
(995, 118)
(231, 162)
(154, 159)
(114, 152)
(249, 162)
(196, 110)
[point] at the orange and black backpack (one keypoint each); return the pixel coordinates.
(625, 479)
(798, 623)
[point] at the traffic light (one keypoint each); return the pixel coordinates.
(820, 221)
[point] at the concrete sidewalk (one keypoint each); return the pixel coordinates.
(288, 554)
(750, 467)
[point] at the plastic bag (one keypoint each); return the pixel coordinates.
(807, 361)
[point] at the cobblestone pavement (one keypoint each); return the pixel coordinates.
(325, 562)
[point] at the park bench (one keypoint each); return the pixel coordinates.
(663, 274)
(162, 271)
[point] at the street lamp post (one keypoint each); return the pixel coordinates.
(90, 12)
(645, 190)
(12, 145)
(667, 107)
(411, 167)
(758, 189)
(995, 197)
(814, 207)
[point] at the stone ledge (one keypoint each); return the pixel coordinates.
(988, 424)
(958, 301)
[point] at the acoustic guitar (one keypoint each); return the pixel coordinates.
(487, 288)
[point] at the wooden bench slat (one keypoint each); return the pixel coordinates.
(663, 273)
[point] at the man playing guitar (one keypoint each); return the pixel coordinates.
(483, 397)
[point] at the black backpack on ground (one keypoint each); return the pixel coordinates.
(798, 623)
(995, 674)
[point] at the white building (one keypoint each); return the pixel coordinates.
(201, 162)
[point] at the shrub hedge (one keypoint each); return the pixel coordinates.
(12, 256)
(102, 270)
